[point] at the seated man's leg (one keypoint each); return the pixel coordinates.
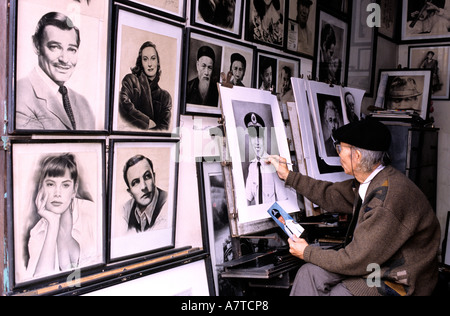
(312, 280)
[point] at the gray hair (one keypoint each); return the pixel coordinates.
(369, 159)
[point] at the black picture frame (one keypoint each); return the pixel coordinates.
(281, 79)
(128, 240)
(219, 19)
(431, 28)
(157, 111)
(41, 111)
(333, 70)
(439, 65)
(300, 31)
(269, 30)
(223, 49)
(174, 9)
(88, 207)
(421, 82)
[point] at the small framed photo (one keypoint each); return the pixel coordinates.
(425, 20)
(61, 70)
(332, 49)
(208, 57)
(255, 130)
(143, 185)
(405, 90)
(275, 73)
(302, 26)
(266, 21)
(57, 187)
(173, 9)
(437, 59)
(219, 16)
(148, 56)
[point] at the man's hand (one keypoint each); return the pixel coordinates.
(280, 165)
(297, 246)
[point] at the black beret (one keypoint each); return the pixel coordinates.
(366, 134)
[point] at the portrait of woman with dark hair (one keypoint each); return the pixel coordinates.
(142, 102)
(61, 234)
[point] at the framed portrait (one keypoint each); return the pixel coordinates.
(213, 200)
(425, 20)
(147, 82)
(143, 185)
(437, 59)
(255, 130)
(266, 22)
(173, 9)
(219, 16)
(331, 59)
(56, 187)
(389, 21)
(209, 56)
(329, 113)
(301, 34)
(316, 166)
(64, 87)
(275, 73)
(405, 91)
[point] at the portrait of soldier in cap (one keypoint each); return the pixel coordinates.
(262, 185)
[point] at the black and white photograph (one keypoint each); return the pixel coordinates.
(329, 113)
(405, 90)
(425, 20)
(332, 49)
(437, 59)
(58, 208)
(222, 16)
(266, 20)
(254, 133)
(172, 8)
(275, 73)
(313, 143)
(147, 81)
(302, 26)
(143, 179)
(208, 58)
(62, 66)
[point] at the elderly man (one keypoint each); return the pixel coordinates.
(43, 100)
(393, 240)
(202, 90)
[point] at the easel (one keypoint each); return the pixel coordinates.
(269, 269)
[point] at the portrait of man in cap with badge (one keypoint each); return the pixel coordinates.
(262, 185)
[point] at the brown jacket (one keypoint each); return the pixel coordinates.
(396, 229)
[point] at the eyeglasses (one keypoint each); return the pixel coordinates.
(339, 146)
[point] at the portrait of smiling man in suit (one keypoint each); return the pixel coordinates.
(43, 100)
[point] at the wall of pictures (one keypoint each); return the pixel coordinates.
(107, 109)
